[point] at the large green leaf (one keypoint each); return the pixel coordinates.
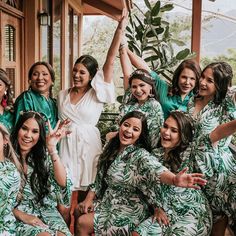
(156, 21)
(183, 54)
(167, 7)
(140, 23)
(151, 58)
(148, 4)
(156, 9)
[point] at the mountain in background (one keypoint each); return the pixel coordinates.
(218, 35)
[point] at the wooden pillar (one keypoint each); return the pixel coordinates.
(196, 27)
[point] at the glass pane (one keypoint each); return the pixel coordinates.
(10, 43)
(57, 44)
(76, 37)
(218, 33)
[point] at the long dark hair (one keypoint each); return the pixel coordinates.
(50, 69)
(189, 64)
(223, 75)
(112, 148)
(186, 129)
(36, 157)
(145, 76)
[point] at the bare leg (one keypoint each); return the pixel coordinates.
(219, 227)
(65, 213)
(84, 225)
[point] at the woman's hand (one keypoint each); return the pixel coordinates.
(160, 216)
(55, 135)
(111, 135)
(86, 206)
(182, 179)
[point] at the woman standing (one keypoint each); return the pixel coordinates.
(39, 97)
(11, 178)
(83, 104)
(46, 179)
(214, 105)
(6, 100)
(127, 182)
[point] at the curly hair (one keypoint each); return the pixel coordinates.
(36, 157)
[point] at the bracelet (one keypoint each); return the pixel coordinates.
(54, 152)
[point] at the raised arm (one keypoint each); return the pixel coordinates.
(111, 55)
(126, 66)
(137, 61)
(53, 137)
(223, 131)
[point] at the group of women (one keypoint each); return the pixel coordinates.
(148, 179)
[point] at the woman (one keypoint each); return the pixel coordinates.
(6, 100)
(125, 182)
(10, 182)
(184, 212)
(47, 182)
(140, 95)
(39, 97)
(83, 104)
(214, 105)
(184, 84)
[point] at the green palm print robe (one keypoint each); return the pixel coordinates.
(187, 209)
(48, 213)
(9, 187)
(153, 112)
(220, 168)
(33, 101)
(7, 119)
(131, 179)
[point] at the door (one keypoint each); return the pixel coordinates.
(11, 49)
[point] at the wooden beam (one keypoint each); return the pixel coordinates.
(196, 28)
(103, 8)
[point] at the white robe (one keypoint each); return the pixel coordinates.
(80, 150)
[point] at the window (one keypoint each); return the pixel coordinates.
(10, 50)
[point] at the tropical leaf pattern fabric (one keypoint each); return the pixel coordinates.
(187, 209)
(218, 165)
(133, 177)
(153, 112)
(48, 213)
(9, 187)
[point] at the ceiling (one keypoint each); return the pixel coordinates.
(109, 8)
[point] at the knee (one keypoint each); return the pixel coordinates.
(81, 223)
(135, 234)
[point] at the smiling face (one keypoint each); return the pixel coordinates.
(207, 86)
(187, 81)
(170, 134)
(130, 131)
(40, 80)
(140, 90)
(81, 76)
(28, 135)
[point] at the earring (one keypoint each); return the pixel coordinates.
(4, 99)
(151, 95)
